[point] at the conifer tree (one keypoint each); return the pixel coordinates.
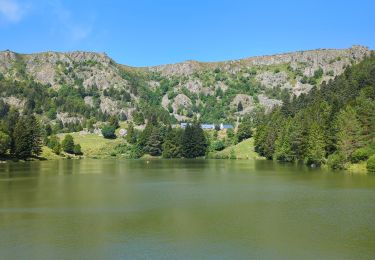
(315, 145)
(131, 137)
(154, 143)
(348, 131)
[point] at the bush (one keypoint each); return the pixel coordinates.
(77, 149)
(371, 164)
(336, 161)
(361, 154)
(218, 145)
(4, 143)
(108, 131)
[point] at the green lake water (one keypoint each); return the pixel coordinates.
(183, 209)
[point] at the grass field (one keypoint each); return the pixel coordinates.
(93, 145)
(243, 150)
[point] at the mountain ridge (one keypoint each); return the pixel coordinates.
(212, 91)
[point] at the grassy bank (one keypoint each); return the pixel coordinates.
(242, 150)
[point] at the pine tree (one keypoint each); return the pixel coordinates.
(315, 145)
(284, 146)
(154, 143)
(194, 142)
(348, 131)
(35, 135)
(144, 135)
(68, 144)
(131, 137)
(244, 131)
(172, 143)
(239, 107)
(23, 140)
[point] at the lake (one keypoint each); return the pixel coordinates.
(183, 209)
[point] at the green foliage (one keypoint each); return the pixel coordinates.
(172, 144)
(77, 149)
(138, 118)
(217, 145)
(194, 142)
(27, 138)
(371, 164)
(5, 142)
(154, 143)
(332, 121)
(315, 153)
(348, 131)
(244, 131)
(113, 121)
(54, 144)
(361, 154)
(131, 136)
(68, 144)
(108, 131)
(336, 161)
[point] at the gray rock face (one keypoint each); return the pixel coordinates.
(268, 103)
(270, 79)
(65, 118)
(313, 59)
(246, 101)
(181, 101)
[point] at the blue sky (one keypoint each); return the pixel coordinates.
(146, 32)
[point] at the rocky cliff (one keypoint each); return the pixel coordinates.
(210, 90)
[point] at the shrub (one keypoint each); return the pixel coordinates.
(371, 164)
(4, 143)
(218, 145)
(336, 161)
(77, 149)
(108, 131)
(361, 154)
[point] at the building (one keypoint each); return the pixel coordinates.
(222, 126)
(203, 126)
(208, 126)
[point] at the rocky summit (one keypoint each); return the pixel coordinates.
(67, 88)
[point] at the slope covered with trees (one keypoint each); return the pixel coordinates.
(333, 124)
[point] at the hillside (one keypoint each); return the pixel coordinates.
(76, 89)
(333, 125)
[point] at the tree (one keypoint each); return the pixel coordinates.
(371, 164)
(68, 144)
(315, 146)
(4, 143)
(35, 135)
(108, 131)
(172, 143)
(239, 107)
(244, 131)
(54, 144)
(145, 134)
(154, 143)
(194, 142)
(22, 139)
(348, 131)
(113, 121)
(131, 136)
(283, 144)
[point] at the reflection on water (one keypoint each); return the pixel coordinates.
(183, 209)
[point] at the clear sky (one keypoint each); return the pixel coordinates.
(151, 32)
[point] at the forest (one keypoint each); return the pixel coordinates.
(334, 124)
